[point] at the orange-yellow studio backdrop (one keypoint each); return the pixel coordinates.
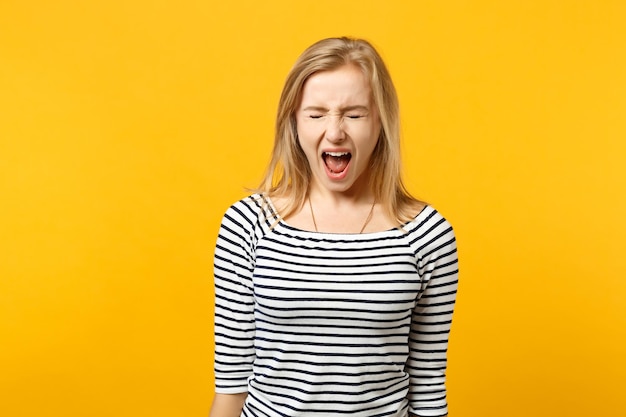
(128, 127)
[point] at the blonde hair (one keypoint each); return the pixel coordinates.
(288, 173)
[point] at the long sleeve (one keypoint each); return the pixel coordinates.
(234, 302)
(432, 317)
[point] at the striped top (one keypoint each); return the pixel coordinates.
(323, 324)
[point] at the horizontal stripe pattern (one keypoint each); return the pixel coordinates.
(318, 324)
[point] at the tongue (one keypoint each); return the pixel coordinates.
(337, 163)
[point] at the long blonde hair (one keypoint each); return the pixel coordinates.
(288, 173)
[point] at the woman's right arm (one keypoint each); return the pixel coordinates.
(228, 405)
(234, 310)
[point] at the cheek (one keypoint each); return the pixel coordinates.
(368, 136)
(306, 136)
(376, 135)
(306, 146)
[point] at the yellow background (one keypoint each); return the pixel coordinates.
(128, 127)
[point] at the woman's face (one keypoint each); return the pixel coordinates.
(338, 128)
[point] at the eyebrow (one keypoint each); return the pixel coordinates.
(343, 109)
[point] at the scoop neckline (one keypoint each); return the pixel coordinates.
(287, 225)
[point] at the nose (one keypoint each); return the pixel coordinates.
(334, 129)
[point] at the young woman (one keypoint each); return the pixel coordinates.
(334, 288)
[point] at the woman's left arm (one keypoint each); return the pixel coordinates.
(431, 321)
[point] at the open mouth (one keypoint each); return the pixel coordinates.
(336, 162)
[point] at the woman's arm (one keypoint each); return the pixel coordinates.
(432, 317)
(228, 405)
(234, 325)
(415, 415)
(234, 321)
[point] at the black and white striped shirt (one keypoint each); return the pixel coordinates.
(322, 324)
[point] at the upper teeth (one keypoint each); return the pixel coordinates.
(337, 153)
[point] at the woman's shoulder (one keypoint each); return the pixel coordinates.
(251, 209)
(253, 202)
(428, 220)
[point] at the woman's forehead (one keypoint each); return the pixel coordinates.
(345, 86)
